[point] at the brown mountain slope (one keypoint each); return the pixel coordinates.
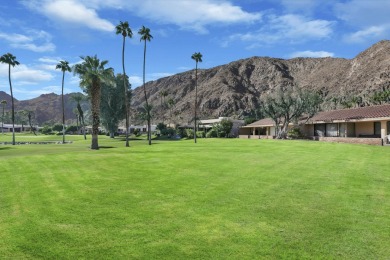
(234, 89)
(46, 107)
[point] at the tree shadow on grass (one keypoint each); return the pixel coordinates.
(5, 148)
(106, 147)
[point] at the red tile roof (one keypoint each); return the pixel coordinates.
(352, 114)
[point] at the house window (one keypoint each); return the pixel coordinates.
(388, 127)
(332, 130)
(377, 128)
(319, 130)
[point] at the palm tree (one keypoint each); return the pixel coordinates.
(171, 104)
(197, 56)
(64, 67)
(146, 36)
(3, 103)
(10, 59)
(78, 98)
(124, 29)
(92, 74)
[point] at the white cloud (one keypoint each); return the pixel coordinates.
(373, 32)
(292, 28)
(364, 13)
(36, 41)
(23, 75)
(312, 54)
(70, 12)
(297, 27)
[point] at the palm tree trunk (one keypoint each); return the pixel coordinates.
(196, 98)
(146, 100)
(95, 104)
(12, 105)
(63, 109)
(124, 86)
(2, 121)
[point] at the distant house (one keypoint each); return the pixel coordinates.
(370, 125)
(18, 128)
(208, 124)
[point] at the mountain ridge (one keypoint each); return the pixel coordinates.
(234, 89)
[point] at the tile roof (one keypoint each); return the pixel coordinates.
(262, 122)
(352, 114)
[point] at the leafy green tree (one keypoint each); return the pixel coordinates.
(226, 126)
(92, 73)
(123, 28)
(10, 59)
(64, 67)
(287, 105)
(113, 103)
(146, 36)
(3, 104)
(197, 56)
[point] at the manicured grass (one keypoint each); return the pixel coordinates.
(217, 199)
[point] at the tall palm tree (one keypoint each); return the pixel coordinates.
(197, 56)
(3, 103)
(64, 67)
(124, 29)
(78, 98)
(92, 73)
(10, 59)
(146, 36)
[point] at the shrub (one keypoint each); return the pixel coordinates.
(137, 132)
(212, 133)
(294, 133)
(200, 134)
(189, 133)
(168, 131)
(161, 126)
(71, 129)
(57, 127)
(46, 130)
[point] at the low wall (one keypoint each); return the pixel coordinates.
(351, 140)
(256, 136)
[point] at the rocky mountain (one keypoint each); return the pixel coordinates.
(46, 107)
(234, 89)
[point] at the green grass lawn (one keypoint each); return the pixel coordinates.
(217, 199)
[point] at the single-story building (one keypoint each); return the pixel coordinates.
(370, 125)
(18, 128)
(207, 124)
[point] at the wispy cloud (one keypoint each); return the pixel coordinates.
(36, 40)
(292, 28)
(312, 54)
(373, 32)
(23, 75)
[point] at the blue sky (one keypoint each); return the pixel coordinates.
(42, 32)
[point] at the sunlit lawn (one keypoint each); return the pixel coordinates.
(217, 199)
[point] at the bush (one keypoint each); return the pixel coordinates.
(71, 129)
(168, 131)
(57, 127)
(294, 133)
(46, 130)
(189, 133)
(212, 133)
(161, 127)
(200, 134)
(137, 132)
